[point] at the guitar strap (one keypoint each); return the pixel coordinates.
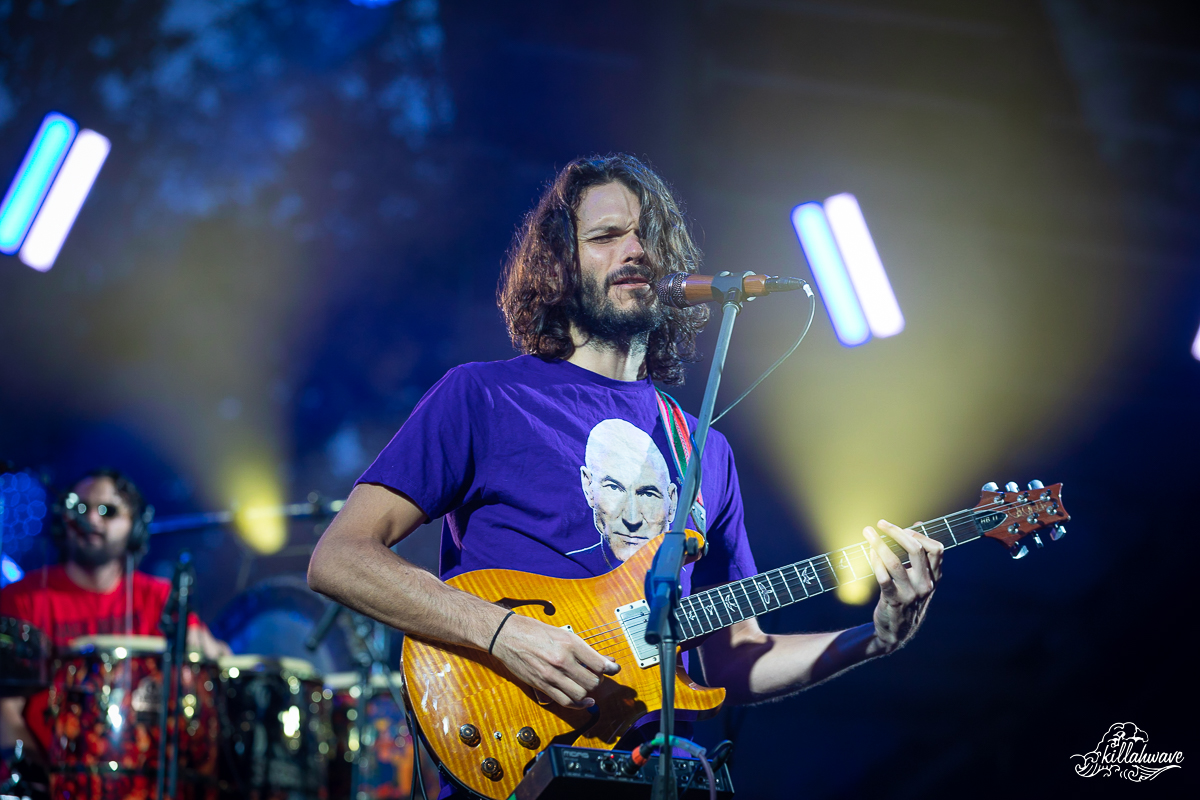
(680, 440)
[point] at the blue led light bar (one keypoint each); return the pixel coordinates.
(821, 250)
(10, 571)
(33, 179)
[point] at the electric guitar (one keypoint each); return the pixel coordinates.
(486, 728)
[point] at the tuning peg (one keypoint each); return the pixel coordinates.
(1036, 485)
(1038, 540)
(1011, 486)
(1057, 532)
(1018, 550)
(991, 486)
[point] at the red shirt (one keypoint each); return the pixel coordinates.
(63, 610)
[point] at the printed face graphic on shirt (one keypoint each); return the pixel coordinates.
(627, 484)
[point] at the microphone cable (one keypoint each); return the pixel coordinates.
(812, 310)
(716, 760)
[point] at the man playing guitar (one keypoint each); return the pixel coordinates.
(559, 463)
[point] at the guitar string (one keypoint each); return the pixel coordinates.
(746, 607)
(611, 644)
(949, 520)
(609, 627)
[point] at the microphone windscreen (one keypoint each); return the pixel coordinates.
(670, 290)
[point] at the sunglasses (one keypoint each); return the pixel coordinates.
(77, 507)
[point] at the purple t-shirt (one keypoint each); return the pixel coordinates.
(549, 468)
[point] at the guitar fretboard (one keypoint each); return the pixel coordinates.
(708, 611)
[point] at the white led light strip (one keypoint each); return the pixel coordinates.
(866, 271)
(64, 200)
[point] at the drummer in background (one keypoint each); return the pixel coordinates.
(101, 534)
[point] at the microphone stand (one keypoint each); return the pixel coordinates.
(174, 627)
(662, 581)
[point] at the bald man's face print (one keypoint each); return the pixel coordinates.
(627, 485)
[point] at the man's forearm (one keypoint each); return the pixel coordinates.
(369, 578)
(757, 666)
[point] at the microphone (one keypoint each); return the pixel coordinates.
(680, 289)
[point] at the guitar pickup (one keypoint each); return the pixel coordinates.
(633, 619)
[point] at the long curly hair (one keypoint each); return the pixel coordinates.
(540, 286)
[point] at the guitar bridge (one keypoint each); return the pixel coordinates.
(633, 619)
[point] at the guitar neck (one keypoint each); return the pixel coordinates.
(708, 611)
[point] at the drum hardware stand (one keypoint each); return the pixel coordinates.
(317, 508)
(174, 627)
(21, 783)
(662, 581)
(373, 653)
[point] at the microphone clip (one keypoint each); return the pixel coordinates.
(730, 288)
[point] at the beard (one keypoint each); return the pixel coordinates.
(85, 553)
(599, 318)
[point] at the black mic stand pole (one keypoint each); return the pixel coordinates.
(174, 626)
(662, 581)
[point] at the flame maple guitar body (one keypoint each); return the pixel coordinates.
(450, 687)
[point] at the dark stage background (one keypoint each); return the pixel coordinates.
(301, 225)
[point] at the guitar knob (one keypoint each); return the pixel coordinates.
(1038, 540)
(991, 486)
(1036, 485)
(1011, 486)
(1018, 550)
(469, 735)
(1057, 532)
(491, 768)
(527, 738)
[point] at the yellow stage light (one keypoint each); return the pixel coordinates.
(257, 496)
(856, 593)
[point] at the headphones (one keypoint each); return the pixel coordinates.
(68, 506)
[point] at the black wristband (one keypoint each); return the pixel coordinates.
(498, 629)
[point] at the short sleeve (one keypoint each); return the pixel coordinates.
(16, 603)
(433, 457)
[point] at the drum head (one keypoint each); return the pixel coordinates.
(275, 617)
(282, 665)
(340, 681)
(118, 645)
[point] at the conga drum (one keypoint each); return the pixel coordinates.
(373, 759)
(104, 703)
(275, 722)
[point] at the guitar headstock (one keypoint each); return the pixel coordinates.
(1012, 514)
